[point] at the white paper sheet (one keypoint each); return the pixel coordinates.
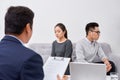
(54, 66)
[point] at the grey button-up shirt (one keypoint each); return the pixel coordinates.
(87, 51)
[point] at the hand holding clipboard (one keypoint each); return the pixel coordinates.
(55, 66)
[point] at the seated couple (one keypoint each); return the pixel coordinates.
(87, 49)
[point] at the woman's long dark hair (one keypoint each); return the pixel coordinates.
(62, 26)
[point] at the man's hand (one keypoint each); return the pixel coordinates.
(108, 65)
(64, 77)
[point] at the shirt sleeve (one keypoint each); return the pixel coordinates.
(53, 50)
(69, 50)
(33, 69)
(80, 53)
(101, 53)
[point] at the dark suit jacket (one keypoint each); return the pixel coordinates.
(18, 62)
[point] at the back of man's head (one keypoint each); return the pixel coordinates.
(16, 19)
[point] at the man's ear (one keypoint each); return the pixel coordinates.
(28, 28)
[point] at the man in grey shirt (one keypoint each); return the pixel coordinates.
(89, 50)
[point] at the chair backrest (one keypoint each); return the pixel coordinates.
(106, 48)
(73, 53)
(44, 49)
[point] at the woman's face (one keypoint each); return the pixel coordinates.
(59, 33)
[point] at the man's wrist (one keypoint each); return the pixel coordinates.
(106, 61)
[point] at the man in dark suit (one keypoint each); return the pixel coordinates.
(16, 61)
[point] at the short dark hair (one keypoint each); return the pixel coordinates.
(91, 26)
(62, 26)
(16, 19)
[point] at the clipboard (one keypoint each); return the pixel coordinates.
(54, 66)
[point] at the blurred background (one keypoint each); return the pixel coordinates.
(74, 14)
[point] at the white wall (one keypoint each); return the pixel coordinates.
(75, 14)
